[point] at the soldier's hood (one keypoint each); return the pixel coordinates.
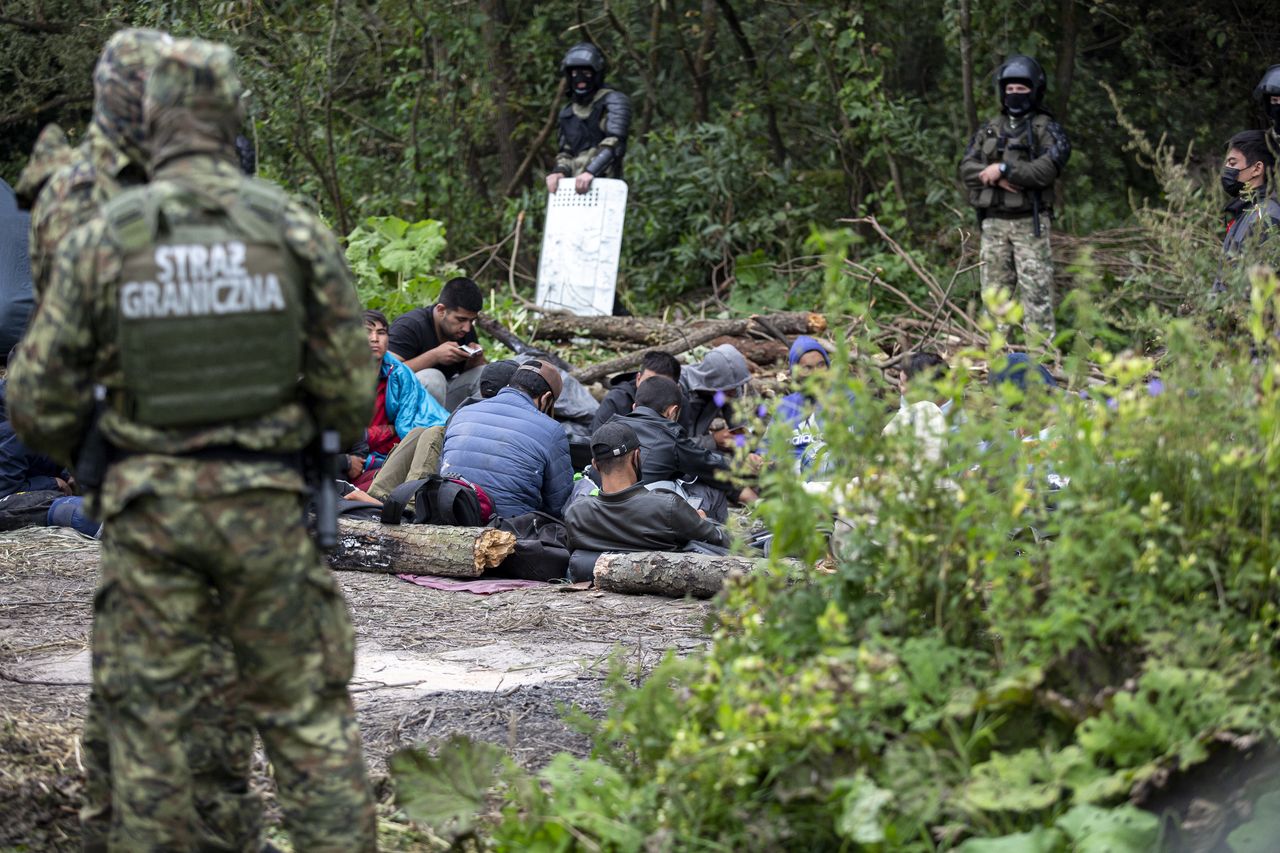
(119, 80)
(51, 152)
(192, 103)
(723, 368)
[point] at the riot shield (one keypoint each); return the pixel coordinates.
(581, 242)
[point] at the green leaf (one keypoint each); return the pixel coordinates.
(1119, 830)
(446, 792)
(860, 819)
(1258, 835)
(1021, 782)
(1039, 840)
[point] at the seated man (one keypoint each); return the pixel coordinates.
(400, 406)
(1253, 211)
(510, 446)
(21, 468)
(711, 385)
(439, 342)
(418, 454)
(922, 409)
(622, 391)
(675, 461)
(624, 515)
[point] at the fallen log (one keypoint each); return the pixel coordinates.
(671, 574)
(517, 345)
(646, 331)
(755, 351)
(813, 324)
(419, 549)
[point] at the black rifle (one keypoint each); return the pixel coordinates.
(327, 467)
(95, 453)
(1035, 194)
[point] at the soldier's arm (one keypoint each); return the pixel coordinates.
(564, 157)
(617, 124)
(1054, 150)
(973, 162)
(338, 377)
(50, 390)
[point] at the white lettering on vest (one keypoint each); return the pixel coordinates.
(196, 281)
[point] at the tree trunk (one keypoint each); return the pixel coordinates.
(643, 332)
(815, 324)
(674, 575)
(494, 32)
(419, 549)
(1065, 71)
(517, 345)
(966, 67)
(766, 94)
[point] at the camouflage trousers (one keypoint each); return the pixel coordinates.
(219, 750)
(1015, 259)
(176, 575)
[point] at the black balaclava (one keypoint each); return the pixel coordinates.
(1020, 103)
(583, 84)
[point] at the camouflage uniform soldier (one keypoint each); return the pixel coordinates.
(112, 158)
(197, 302)
(593, 125)
(1009, 170)
(51, 153)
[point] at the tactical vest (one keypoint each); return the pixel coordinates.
(210, 306)
(583, 134)
(998, 145)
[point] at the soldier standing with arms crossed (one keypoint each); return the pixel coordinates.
(1009, 170)
(197, 303)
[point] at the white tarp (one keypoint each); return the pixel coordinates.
(578, 269)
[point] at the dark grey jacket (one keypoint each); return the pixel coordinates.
(637, 519)
(667, 452)
(1253, 223)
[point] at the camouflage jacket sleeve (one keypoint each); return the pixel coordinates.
(339, 375)
(51, 383)
(973, 162)
(1052, 149)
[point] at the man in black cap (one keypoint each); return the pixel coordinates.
(624, 515)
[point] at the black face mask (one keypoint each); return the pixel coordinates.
(1231, 183)
(1017, 103)
(582, 83)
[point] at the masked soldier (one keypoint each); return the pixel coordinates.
(1009, 170)
(113, 158)
(220, 319)
(593, 125)
(1267, 94)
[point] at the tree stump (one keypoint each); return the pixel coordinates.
(419, 549)
(671, 574)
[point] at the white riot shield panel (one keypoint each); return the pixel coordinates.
(578, 269)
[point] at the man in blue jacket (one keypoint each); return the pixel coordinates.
(511, 447)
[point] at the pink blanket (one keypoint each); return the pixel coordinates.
(482, 586)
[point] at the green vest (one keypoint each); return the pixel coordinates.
(998, 145)
(210, 305)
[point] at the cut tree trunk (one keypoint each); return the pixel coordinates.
(671, 574)
(814, 324)
(644, 331)
(419, 549)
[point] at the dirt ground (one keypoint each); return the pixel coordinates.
(501, 668)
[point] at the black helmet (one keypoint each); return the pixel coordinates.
(1269, 84)
(584, 54)
(1019, 68)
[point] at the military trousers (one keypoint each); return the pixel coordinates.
(1015, 259)
(177, 574)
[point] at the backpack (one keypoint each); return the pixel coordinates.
(26, 509)
(542, 548)
(452, 502)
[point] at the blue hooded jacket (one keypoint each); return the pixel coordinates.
(795, 407)
(518, 455)
(409, 405)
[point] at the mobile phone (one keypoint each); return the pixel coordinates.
(471, 349)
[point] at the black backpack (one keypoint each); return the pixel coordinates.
(435, 501)
(542, 548)
(26, 509)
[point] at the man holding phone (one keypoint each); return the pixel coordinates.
(439, 343)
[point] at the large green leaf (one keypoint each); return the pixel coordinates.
(1120, 830)
(446, 791)
(860, 819)
(1261, 834)
(1038, 840)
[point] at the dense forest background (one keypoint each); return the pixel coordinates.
(756, 121)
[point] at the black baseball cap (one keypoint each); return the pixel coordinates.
(613, 439)
(496, 375)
